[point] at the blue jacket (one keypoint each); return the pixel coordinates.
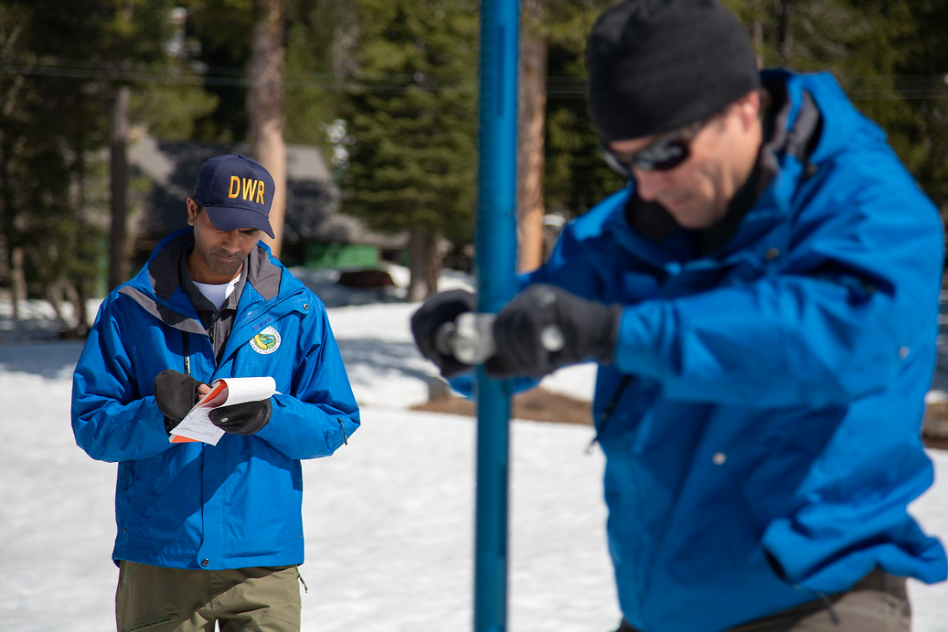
(193, 505)
(761, 422)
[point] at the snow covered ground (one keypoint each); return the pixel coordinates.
(389, 518)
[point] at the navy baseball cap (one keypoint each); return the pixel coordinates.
(237, 193)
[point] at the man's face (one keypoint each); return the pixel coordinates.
(218, 254)
(721, 155)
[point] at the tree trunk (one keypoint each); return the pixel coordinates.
(757, 37)
(17, 279)
(531, 116)
(265, 107)
(81, 282)
(8, 223)
(784, 32)
(424, 265)
(118, 182)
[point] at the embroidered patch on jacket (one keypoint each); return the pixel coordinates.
(267, 341)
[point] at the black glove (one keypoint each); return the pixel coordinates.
(246, 418)
(176, 393)
(439, 309)
(545, 327)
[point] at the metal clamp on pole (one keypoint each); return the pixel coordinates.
(470, 338)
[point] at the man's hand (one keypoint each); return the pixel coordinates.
(246, 419)
(176, 393)
(439, 309)
(524, 327)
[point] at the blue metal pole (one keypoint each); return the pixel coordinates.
(495, 246)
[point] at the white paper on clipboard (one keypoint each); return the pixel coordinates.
(197, 425)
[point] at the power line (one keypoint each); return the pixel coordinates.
(230, 77)
(858, 88)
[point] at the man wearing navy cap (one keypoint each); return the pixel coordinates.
(211, 532)
(762, 299)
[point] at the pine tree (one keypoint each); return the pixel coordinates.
(576, 178)
(413, 119)
(889, 57)
(68, 65)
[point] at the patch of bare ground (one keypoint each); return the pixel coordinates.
(537, 404)
(543, 405)
(936, 426)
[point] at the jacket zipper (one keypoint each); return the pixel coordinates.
(186, 344)
(606, 416)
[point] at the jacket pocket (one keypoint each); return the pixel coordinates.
(160, 623)
(740, 528)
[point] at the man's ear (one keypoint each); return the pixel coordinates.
(749, 107)
(192, 211)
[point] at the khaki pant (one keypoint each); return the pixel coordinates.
(877, 603)
(156, 599)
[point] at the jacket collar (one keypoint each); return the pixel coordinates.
(158, 288)
(162, 272)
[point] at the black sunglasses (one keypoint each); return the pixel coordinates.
(663, 155)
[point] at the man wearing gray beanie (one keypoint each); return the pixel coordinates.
(762, 301)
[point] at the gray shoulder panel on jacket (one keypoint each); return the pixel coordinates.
(263, 275)
(162, 313)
